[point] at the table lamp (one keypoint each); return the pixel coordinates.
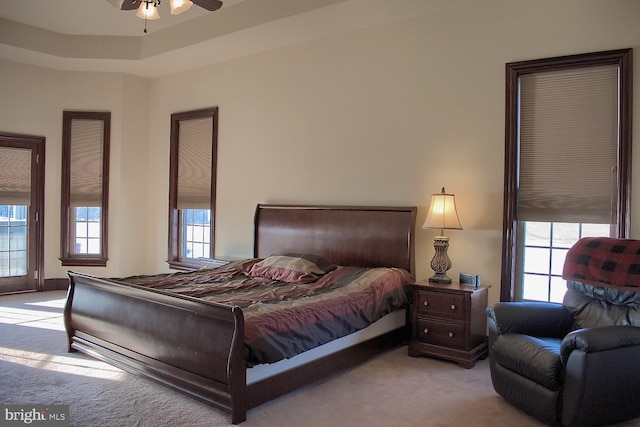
(443, 215)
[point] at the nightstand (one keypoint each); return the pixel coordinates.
(448, 321)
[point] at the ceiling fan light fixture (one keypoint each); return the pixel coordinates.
(148, 10)
(179, 6)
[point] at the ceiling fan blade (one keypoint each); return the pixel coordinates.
(130, 4)
(210, 5)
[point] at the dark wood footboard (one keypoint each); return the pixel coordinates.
(197, 347)
(192, 346)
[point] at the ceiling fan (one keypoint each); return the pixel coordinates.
(209, 5)
(148, 9)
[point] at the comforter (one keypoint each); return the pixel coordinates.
(284, 319)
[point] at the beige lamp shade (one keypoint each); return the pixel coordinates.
(442, 213)
(148, 10)
(179, 6)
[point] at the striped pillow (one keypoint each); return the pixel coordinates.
(292, 268)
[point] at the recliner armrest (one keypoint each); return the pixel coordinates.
(538, 319)
(603, 338)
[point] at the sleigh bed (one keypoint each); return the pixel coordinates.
(201, 347)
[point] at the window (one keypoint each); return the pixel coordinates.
(196, 232)
(567, 164)
(192, 187)
(85, 184)
(13, 240)
(545, 245)
(87, 230)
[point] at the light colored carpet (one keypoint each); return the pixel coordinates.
(389, 390)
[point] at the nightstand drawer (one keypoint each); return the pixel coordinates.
(441, 304)
(440, 333)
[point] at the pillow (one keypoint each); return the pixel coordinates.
(291, 268)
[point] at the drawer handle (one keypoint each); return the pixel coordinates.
(450, 334)
(426, 303)
(426, 330)
(453, 306)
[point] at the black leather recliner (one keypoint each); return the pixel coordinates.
(575, 363)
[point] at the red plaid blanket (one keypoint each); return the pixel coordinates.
(604, 261)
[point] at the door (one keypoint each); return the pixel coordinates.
(21, 208)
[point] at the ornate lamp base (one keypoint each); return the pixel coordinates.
(440, 278)
(440, 263)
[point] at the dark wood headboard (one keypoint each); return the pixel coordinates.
(364, 236)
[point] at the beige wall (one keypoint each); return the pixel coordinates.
(33, 100)
(384, 115)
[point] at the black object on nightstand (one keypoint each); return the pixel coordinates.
(448, 321)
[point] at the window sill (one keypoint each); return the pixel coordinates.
(84, 262)
(183, 266)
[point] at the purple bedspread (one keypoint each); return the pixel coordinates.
(285, 319)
